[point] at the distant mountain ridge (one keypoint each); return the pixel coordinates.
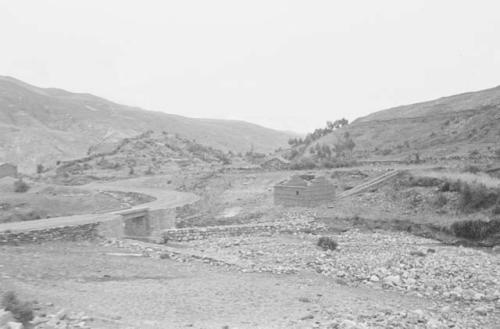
(470, 101)
(42, 125)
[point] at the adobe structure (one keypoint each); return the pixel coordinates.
(304, 191)
(8, 169)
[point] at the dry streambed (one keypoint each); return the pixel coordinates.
(463, 283)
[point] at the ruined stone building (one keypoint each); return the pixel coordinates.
(8, 169)
(304, 191)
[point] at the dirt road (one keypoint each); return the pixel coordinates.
(164, 199)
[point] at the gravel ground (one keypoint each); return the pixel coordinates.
(81, 285)
(372, 280)
(464, 283)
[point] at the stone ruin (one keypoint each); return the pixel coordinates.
(304, 191)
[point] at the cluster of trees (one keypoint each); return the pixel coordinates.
(318, 133)
(340, 149)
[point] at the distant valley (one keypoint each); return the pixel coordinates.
(45, 125)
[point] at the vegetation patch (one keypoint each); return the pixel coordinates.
(474, 197)
(22, 311)
(21, 186)
(475, 229)
(327, 243)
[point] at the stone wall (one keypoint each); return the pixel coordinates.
(199, 233)
(64, 233)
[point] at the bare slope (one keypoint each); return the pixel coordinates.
(48, 124)
(458, 125)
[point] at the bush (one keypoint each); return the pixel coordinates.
(424, 181)
(440, 200)
(472, 169)
(476, 197)
(450, 186)
(22, 311)
(39, 168)
(20, 186)
(475, 229)
(327, 243)
(304, 163)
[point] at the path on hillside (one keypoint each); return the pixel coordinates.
(367, 185)
(164, 199)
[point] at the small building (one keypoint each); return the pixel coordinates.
(304, 191)
(8, 169)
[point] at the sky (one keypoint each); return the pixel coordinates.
(288, 65)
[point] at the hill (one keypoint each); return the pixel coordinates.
(147, 154)
(460, 126)
(42, 125)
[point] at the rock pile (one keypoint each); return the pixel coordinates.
(60, 320)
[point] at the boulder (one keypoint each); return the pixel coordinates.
(5, 317)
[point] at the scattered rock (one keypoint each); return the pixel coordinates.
(15, 325)
(348, 324)
(481, 310)
(63, 313)
(392, 280)
(5, 317)
(307, 317)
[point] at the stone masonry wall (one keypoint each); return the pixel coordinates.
(64, 233)
(199, 233)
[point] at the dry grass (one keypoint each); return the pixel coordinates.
(479, 178)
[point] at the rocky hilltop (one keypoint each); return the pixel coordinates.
(147, 154)
(43, 125)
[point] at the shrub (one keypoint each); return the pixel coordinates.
(20, 186)
(327, 243)
(475, 229)
(447, 186)
(472, 169)
(39, 168)
(22, 311)
(304, 163)
(475, 197)
(424, 181)
(440, 200)
(474, 154)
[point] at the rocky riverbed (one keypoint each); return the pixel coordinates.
(461, 284)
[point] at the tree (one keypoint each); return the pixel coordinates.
(39, 168)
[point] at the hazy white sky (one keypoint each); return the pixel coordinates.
(284, 64)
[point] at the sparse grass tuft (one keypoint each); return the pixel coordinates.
(475, 229)
(20, 186)
(471, 169)
(327, 243)
(22, 311)
(474, 197)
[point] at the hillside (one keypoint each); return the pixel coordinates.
(147, 154)
(42, 125)
(457, 126)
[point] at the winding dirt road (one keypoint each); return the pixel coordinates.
(164, 199)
